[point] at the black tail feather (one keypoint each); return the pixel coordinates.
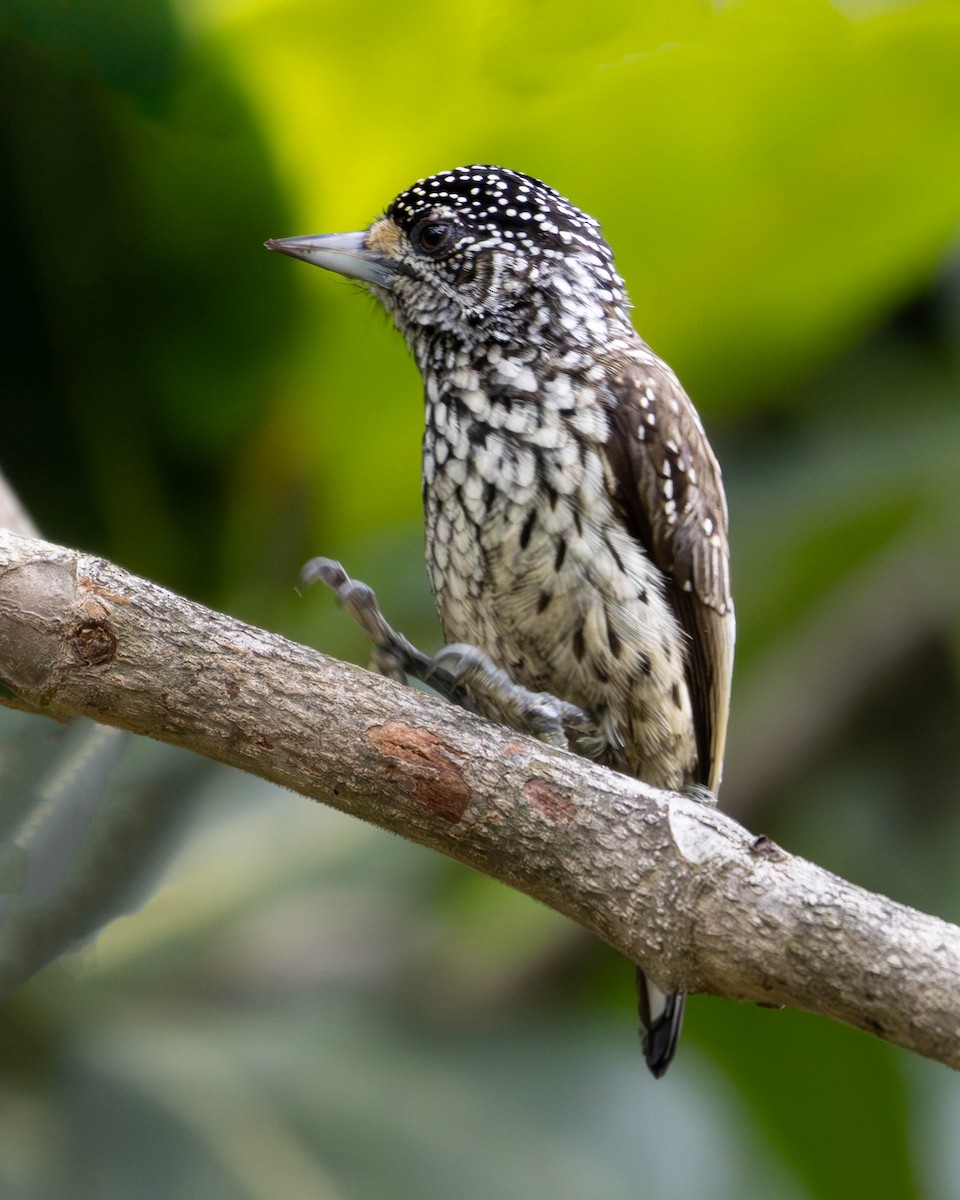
(661, 1019)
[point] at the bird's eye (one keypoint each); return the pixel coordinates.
(433, 237)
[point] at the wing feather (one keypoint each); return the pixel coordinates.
(667, 485)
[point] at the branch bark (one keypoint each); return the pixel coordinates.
(671, 883)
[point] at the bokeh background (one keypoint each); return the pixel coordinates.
(290, 1004)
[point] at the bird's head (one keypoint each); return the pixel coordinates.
(485, 253)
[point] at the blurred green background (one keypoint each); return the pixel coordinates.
(300, 1006)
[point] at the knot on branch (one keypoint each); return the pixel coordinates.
(93, 642)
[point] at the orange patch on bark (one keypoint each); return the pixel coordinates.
(548, 800)
(429, 773)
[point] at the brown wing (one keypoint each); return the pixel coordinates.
(667, 485)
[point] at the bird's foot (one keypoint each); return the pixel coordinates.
(392, 654)
(473, 681)
(544, 716)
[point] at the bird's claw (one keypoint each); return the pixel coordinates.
(391, 654)
(327, 570)
(471, 679)
(541, 714)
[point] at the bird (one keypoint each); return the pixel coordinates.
(575, 515)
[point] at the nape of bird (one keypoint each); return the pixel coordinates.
(576, 524)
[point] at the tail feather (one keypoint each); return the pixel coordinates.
(661, 1019)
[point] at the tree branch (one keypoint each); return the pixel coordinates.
(669, 882)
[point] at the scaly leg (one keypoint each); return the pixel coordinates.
(392, 654)
(476, 681)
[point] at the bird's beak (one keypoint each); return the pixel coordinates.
(345, 253)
